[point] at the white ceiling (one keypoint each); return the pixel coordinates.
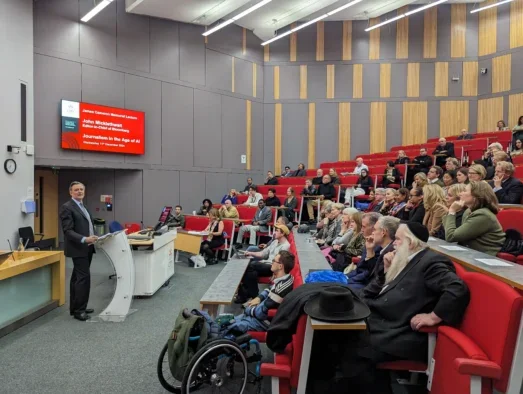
(269, 18)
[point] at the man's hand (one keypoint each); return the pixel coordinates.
(497, 181)
(254, 301)
(370, 244)
(456, 206)
(387, 260)
(91, 240)
(262, 246)
(424, 320)
(336, 247)
(223, 207)
(409, 205)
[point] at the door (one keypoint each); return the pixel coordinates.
(46, 198)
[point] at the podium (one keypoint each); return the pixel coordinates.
(116, 247)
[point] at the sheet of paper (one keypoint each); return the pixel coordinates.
(198, 232)
(432, 239)
(454, 248)
(494, 262)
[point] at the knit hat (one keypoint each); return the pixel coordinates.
(419, 230)
(283, 228)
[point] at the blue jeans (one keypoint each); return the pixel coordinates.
(245, 323)
(254, 249)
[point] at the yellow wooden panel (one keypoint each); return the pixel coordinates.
(453, 117)
(487, 29)
(515, 109)
(458, 26)
(277, 138)
(347, 40)
(276, 82)
(430, 33)
(414, 122)
(357, 81)
(311, 162)
(402, 35)
(501, 70)
(413, 80)
(266, 53)
(244, 41)
(441, 79)
(254, 68)
(320, 41)
(232, 87)
(294, 44)
(303, 81)
(516, 24)
(248, 133)
(378, 127)
(330, 81)
(343, 131)
(470, 79)
(374, 40)
(385, 80)
(490, 111)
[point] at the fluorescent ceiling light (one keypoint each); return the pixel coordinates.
(425, 7)
(343, 7)
(309, 23)
(490, 6)
(277, 37)
(385, 22)
(96, 10)
(235, 18)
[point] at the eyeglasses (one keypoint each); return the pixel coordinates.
(473, 173)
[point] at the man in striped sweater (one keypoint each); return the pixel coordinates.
(255, 316)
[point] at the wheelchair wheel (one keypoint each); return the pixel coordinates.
(167, 380)
(219, 367)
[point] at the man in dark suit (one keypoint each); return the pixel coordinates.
(414, 210)
(79, 242)
(465, 135)
(508, 189)
(443, 151)
(423, 163)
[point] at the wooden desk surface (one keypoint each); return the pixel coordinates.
(224, 287)
(322, 325)
(310, 255)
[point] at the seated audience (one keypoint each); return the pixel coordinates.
(325, 193)
(517, 131)
(451, 164)
(261, 222)
(420, 180)
(360, 166)
(365, 181)
(282, 220)
(480, 229)
(335, 180)
(477, 173)
(248, 186)
(391, 175)
(434, 175)
(402, 158)
(272, 200)
(423, 162)
(253, 197)
(435, 207)
(343, 237)
(379, 199)
(309, 189)
(215, 237)
(255, 316)
(326, 235)
(449, 178)
(402, 197)
(372, 202)
(495, 159)
(354, 246)
(453, 194)
(501, 126)
(509, 190)
(249, 286)
(229, 211)
(177, 219)
(518, 149)
(317, 180)
(462, 176)
(443, 150)
(465, 135)
(205, 208)
(390, 200)
(491, 150)
(414, 210)
(287, 172)
(289, 205)
(271, 180)
(300, 171)
(232, 195)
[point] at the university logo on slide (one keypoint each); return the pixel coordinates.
(70, 109)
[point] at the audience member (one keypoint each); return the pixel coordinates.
(248, 186)
(353, 248)
(309, 189)
(453, 194)
(328, 233)
(335, 180)
(317, 180)
(402, 196)
(414, 210)
(177, 219)
(287, 172)
(501, 126)
(282, 220)
(260, 222)
(325, 192)
(509, 190)
(451, 164)
(462, 176)
(443, 150)
(229, 211)
(289, 205)
(497, 157)
(517, 131)
(390, 200)
(372, 202)
(379, 200)
(449, 178)
(272, 200)
(391, 175)
(435, 208)
(491, 150)
(480, 229)
(518, 148)
(271, 180)
(215, 237)
(423, 162)
(465, 135)
(343, 237)
(232, 195)
(434, 175)
(360, 166)
(420, 180)
(205, 208)
(253, 198)
(365, 181)
(402, 158)
(477, 173)
(300, 171)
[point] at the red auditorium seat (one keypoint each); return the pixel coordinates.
(241, 198)
(196, 223)
(460, 270)
(228, 228)
(510, 219)
(132, 227)
(519, 172)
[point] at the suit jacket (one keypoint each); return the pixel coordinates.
(511, 191)
(272, 181)
(449, 152)
(75, 227)
(414, 215)
(433, 218)
(465, 137)
(423, 163)
(263, 217)
(299, 173)
(427, 284)
(369, 282)
(403, 160)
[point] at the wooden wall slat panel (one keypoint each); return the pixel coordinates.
(320, 41)
(489, 112)
(414, 129)
(430, 33)
(413, 80)
(470, 79)
(458, 27)
(277, 138)
(266, 53)
(293, 44)
(343, 131)
(385, 80)
(303, 81)
(441, 85)
(357, 81)
(453, 117)
(254, 79)
(402, 35)
(244, 41)
(487, 29)
(515, 105)
(276, 82)
(516, 24)
(378, 127)
(330, 81)
(347, 40)
(248, 133)
(501, 73)
(311, 162)
(374, 40)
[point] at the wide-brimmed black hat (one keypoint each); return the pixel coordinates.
(336, 304)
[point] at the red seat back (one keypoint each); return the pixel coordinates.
(132, 227)
(196, 223)
(519, 172)
(460, 271)
(292, 181)
(511, 219)
(297, 349)
(282, 189)
(241, 198)
(228, 227)
(246, 212)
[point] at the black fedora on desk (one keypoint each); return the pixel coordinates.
(336, 304)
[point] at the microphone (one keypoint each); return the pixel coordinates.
(141, 222)
(10, 247)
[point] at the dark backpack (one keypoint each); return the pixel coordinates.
(513, 243)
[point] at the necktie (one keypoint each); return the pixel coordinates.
(86, 214)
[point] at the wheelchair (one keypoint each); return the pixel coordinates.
(220, 366)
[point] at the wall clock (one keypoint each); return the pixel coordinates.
(10, 166)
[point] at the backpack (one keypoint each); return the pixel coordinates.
(513, 243)
(180, 350)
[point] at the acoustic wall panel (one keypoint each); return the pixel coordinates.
(501, 68)
(334, 40)
(268, 82)
(330, 81)
(311, 141)
(192, 54)
(165, 48)
(426, 79)
(295, 134)
(516, 73)
(515, 105)
(444, 31)
(360, 40)
(470, 79)
(343, 81)
(374, 40)
(487, 34)
(317, 81)
(218, 70)
(280, 50)
(327, 124)
(414, 122)
(371, 80)
(347, 41)
(243, 77)
(303, 81)
(359, 128)
(56, 25)
(276, 82)
(503, 29)
(344, 131)
(485, 80)
(416, 33)
(455, 71)
(306, 43)
(320, 41)
(473, 116)
(98, 37)
(215, 185)
(430, 33)
(454, 116)
(394, 124)
(378, 127)
(228, 40)
(161, 188)
(433, 108)
(398, 80)
(269, 138)
(193, 184)
(233, 133)
(441, 79)
(489, 112)
(207, 129)
(289, 82)
(402, 35)
(278, 109)
(471, 33)
(388, 38)
(516, 24)
(357, 81)
(385, 80)
(257, 136)
(293, 44)
(413, 80)
(132, 39)
(458, 28)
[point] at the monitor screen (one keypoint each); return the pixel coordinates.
(95, 127)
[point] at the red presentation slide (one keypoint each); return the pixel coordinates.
(104, 129)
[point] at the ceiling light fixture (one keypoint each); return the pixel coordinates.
(490, 6)
(319, 18)
(96, 10)
(385, 22)
(425, 7)
(235, 18)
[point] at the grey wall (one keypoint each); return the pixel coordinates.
(16, 44)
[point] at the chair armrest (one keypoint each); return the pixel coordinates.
(485, 369)
(429, 330)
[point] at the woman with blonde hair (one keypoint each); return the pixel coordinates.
(343, 237)
(453, 194)
(329, 232)
(390, 200)
(354, 247)
(435, 207)
(420, 180)
(480, 229)
(477, 172)
(215, 237)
